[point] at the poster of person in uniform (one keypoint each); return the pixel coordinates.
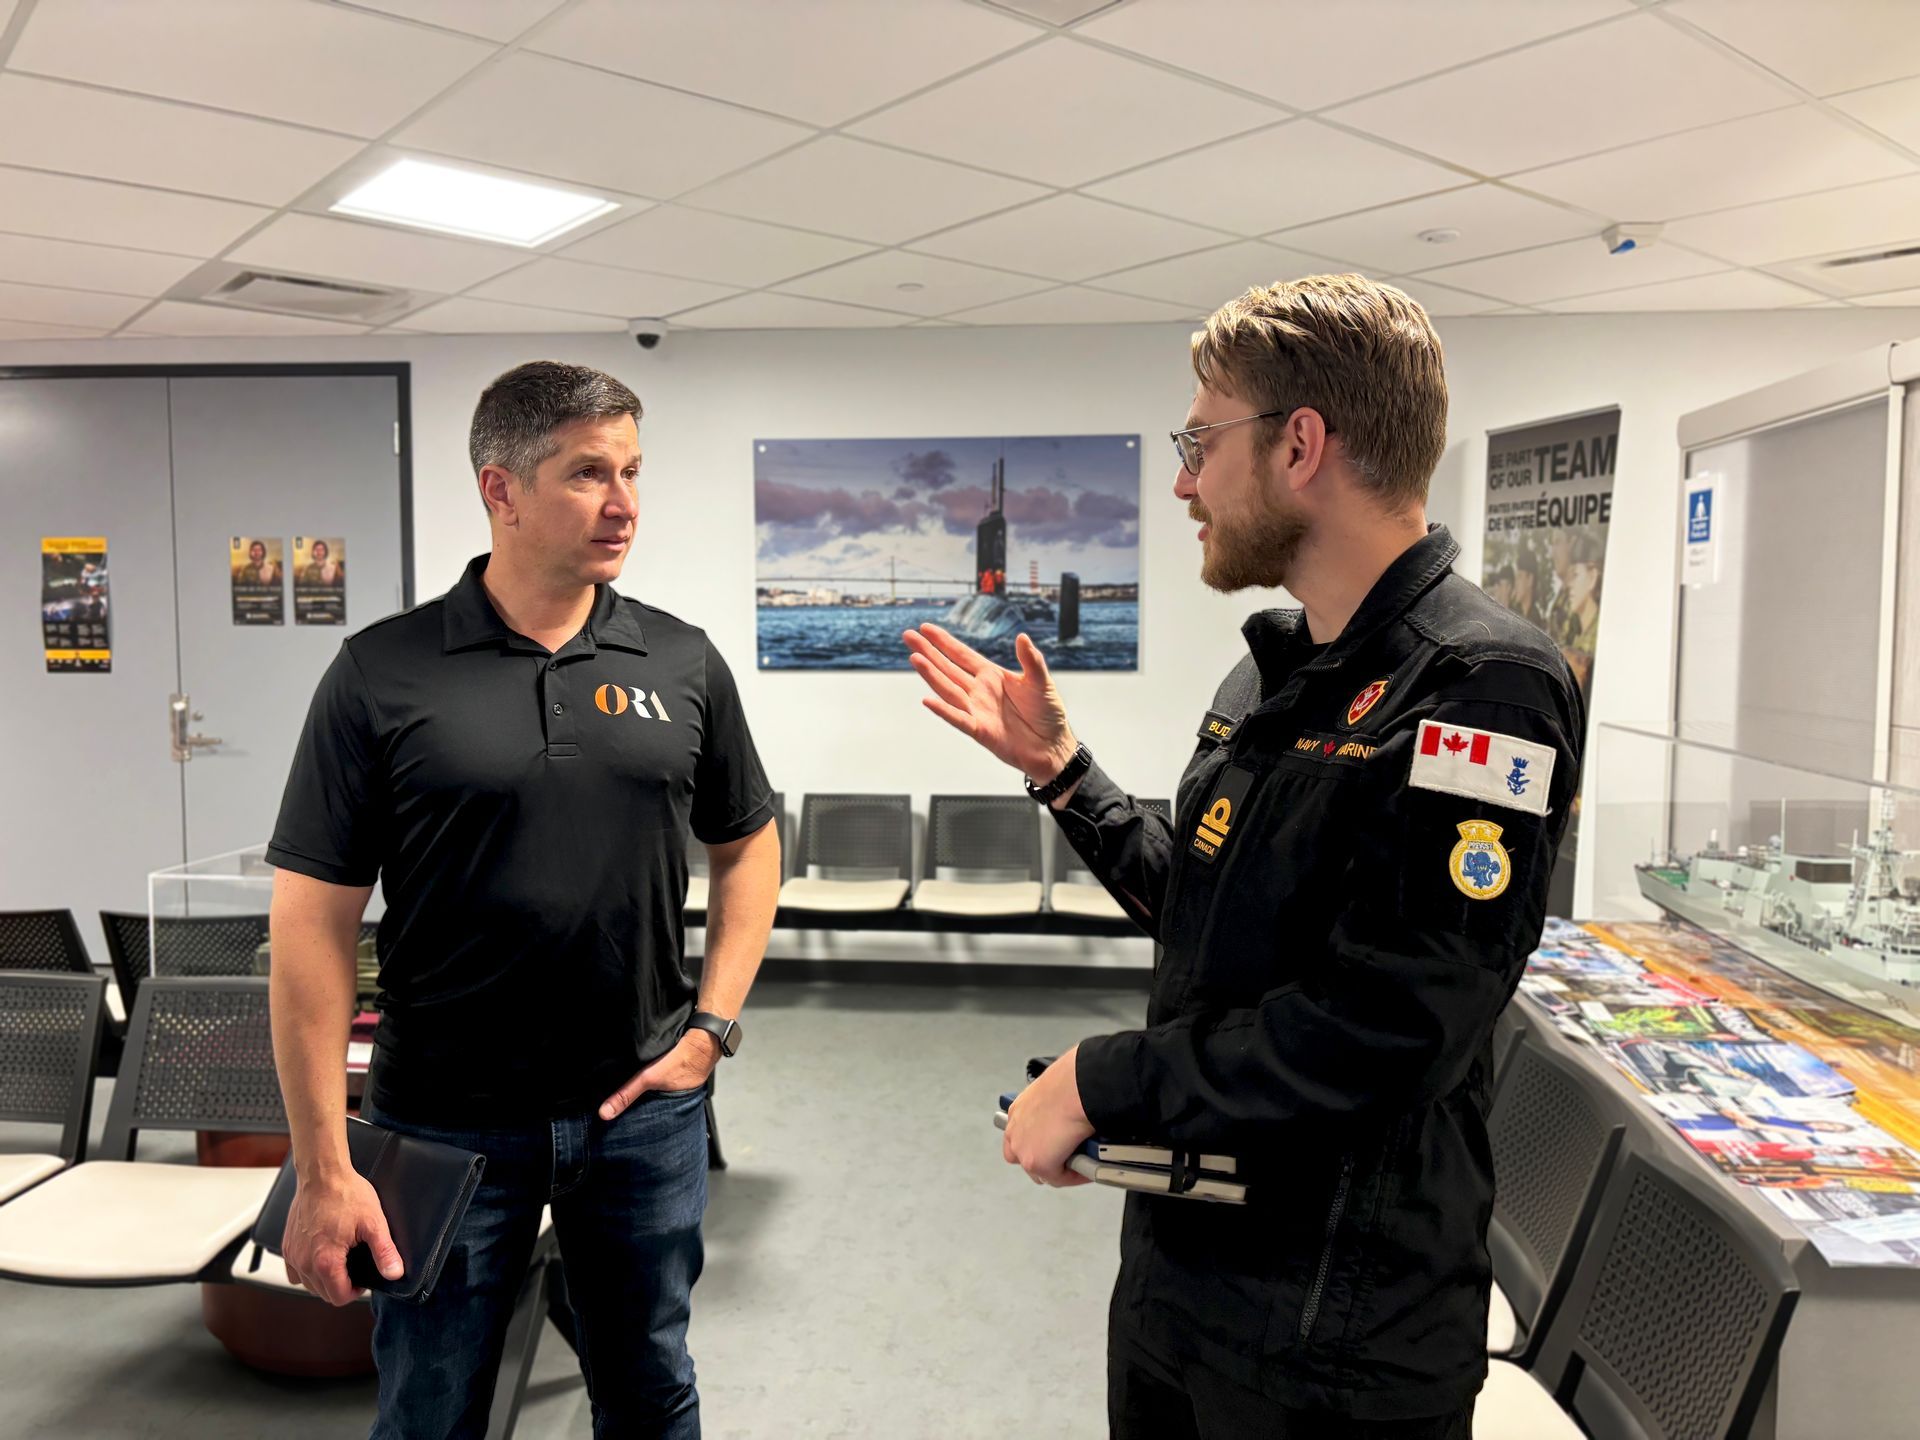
(258, 566)
(319, 580)
(1549, 506)
(74, 622)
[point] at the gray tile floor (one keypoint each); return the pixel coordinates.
(872, 1267)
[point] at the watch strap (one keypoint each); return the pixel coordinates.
(1078, 765)
(726, 1032)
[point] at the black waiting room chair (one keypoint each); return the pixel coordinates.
(698, 869)
(50, 1028)
(1555, 1129)
(982, 857)
(855, 854)
(1671, 1329)
(199, 1057)
(49, 941)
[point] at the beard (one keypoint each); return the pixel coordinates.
(1257, 550)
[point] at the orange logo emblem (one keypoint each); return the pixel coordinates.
(610, 700)
(1365, 701)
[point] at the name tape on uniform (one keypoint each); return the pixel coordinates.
(1483, 765)
(1218, 727)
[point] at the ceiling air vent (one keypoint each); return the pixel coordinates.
(1871, 257)
(317, 299)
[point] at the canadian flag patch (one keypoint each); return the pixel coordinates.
(1483, 765)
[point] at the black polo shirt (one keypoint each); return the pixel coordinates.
(528, 814)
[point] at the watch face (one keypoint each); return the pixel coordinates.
(730, 1041)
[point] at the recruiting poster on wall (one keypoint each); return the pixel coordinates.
(1549, 505)
(74, 624)
(989, 537)
(319, 580)
(258, 568)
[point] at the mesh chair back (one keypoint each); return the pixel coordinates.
(49, 1042)
(982, 832)
(207, 944)
(1555, 1131)
(1069, 867)
(856, 832)
(42, 940)
(199, 1057)
(129, 951)
(1682, 1304)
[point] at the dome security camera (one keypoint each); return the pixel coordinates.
(647, 332)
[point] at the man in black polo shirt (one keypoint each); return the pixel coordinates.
(519, 763)
(1346, 898)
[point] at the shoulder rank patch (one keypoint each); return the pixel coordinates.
(1218, 819)
(1479, 864)
(1365, 701)
(1482, 765)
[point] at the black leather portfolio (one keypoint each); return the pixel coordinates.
(424, 1188)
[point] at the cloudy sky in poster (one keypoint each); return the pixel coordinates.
(828, 510)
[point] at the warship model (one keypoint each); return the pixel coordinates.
(1855, 909)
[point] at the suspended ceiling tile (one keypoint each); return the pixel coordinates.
(178, 317)
(548, 117)
(27, 330)
(1573, 267)
(1739, 162)
(1069, 237)
(766, 311)
(921, 284)
(1308, 54)
(673, 240)
(1074, 305)
(599, 289)
(1882, 213)
(1896, 299)
(35, 260)
(1629, 80)
(1294, 173)
(463, 315)
(52, 125)
(1729, 290)
(1207, 280)
(867, 192)
(67, 207)
(1064, 113)
(1827, 47)
(1443, 300)
(820, 63)
(374, 254)
(321, 65)
(1893, 110)
(491, 19)
(1489, 218)
(45, 305)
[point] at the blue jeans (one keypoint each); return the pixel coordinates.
(627, 1199)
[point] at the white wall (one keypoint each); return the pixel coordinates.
(709, 396)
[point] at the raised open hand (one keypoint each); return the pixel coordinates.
(1016, 715)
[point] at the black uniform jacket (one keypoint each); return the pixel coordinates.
(1346, 897)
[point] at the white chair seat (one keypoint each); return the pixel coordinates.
(847, 896)
(959, 897)
(1515, 1406)
(696, 892)
(22, 1172)
(130, 1221)
(1503, 1331)
(1071, 898)
(271, 1273)
(116, 1007)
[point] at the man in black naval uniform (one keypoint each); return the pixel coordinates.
(1346, 897)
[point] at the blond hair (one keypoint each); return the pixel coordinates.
(1362, 354)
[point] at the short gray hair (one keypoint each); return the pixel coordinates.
(514, 423)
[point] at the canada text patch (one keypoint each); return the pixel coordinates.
(1222, 814)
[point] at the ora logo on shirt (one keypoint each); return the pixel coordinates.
(618, 699)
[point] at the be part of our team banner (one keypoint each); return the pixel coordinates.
(75, 625)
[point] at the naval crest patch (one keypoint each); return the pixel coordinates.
(1479, 864)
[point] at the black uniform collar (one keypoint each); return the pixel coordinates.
(468, 619)
(1279, 638)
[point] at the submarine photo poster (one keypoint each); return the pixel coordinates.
(990, 537)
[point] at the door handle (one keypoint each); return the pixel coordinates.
(179, 711)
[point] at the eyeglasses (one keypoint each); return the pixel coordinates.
(1192, 455)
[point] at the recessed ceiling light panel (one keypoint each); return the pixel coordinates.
(452, 201)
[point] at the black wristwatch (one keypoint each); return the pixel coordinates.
(1078, 765)
(725, 1031)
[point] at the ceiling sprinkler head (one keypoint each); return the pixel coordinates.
(1446, 235)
